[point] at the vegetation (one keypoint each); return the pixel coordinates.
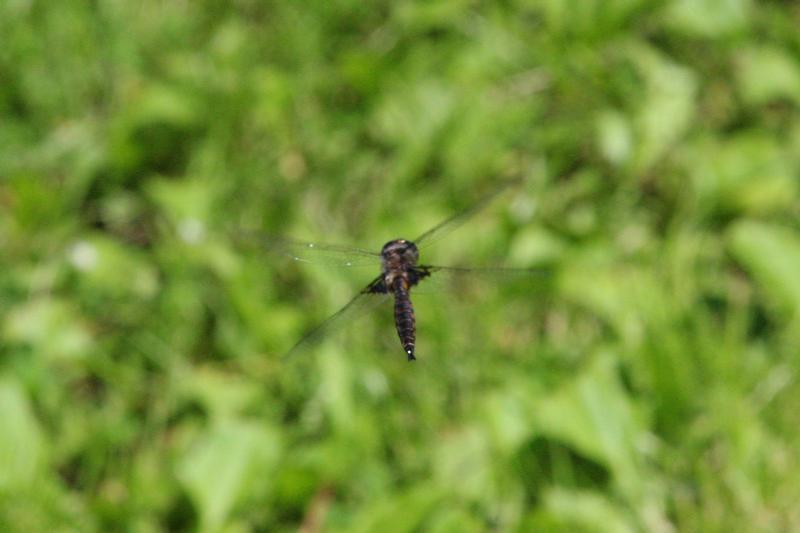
(648, 381)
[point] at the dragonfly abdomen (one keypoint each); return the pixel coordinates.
(404, 318)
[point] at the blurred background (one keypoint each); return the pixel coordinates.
(647, 382)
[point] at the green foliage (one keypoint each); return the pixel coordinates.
(647, 381)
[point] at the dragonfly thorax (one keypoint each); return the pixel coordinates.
(399, 256)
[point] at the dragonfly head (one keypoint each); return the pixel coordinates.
(399, 253)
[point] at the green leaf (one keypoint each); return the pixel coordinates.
(402, 511)
(771, 254)
(22, 445)
(709, 18)
(573, 510)
(217, 471)
(748, 173)
(448, 520)
(668, 107)
(336, 388)
(595, 416)
(222, 394)
(187, 205)
(463, 462)
(51, 327)
(614, 137)
(508, 415)
(767, 73)
(111, 268)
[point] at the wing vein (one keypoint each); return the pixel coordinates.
(449, 224)
(359, 303)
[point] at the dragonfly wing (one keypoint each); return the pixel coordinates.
(441, 278)
(362, 302)
(313, 252)
(499, 272)
(446, 226)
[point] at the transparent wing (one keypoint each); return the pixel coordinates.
(444, 279)
(498, 272)
(360, 304)
(446, 276)
(312, 252)
(446, 226)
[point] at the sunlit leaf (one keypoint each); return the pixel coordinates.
(748, 172)
(596, 416)
(232, 457)
(22, 445)
(463, 462)
(404, 511)
(668, 106)
(709, 18)
(771, 254)
(568, 510)
(51, 327)
(766, 73)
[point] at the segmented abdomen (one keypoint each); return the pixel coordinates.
(404, 318)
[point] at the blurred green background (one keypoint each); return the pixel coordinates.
(649, 383)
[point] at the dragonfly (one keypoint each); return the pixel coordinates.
(400, 272)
